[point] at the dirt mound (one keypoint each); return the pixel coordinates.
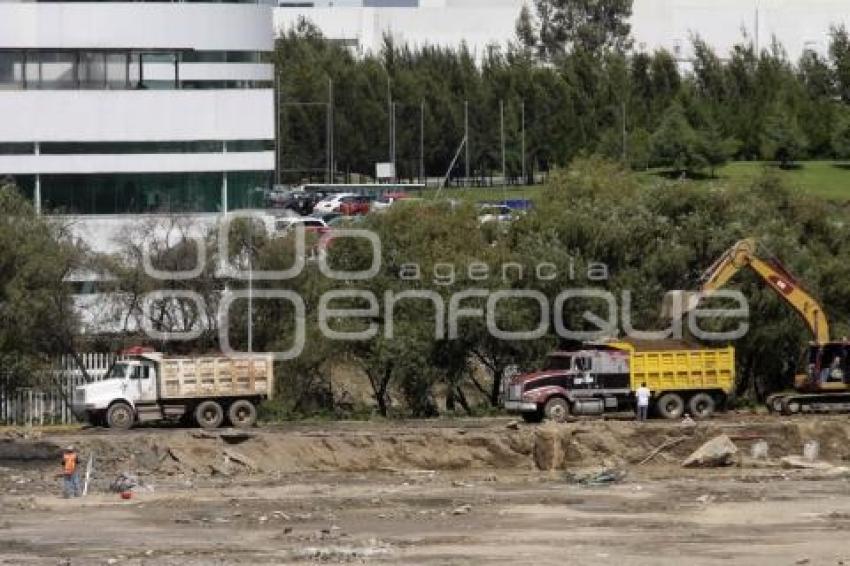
(368, 448)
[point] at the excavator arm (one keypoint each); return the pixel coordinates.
(743, 255)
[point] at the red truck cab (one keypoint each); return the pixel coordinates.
(585, 382)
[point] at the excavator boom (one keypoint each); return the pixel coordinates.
(744, 255)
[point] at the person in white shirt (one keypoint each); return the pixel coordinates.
(642, 395)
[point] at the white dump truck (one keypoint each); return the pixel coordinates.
(146, 386)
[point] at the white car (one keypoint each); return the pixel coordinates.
(310, 223)
(388, 199)
(331, 203)
(494, 213)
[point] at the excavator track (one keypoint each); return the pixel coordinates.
(796, 403)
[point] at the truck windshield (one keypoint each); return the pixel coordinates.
(119, 371)
(559, 362)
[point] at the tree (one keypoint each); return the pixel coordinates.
(639, 149)
(564, 26)
(841, 138)
(674, 142)
(37, 314)
(782, 140)
(714, 148)
(839, 54)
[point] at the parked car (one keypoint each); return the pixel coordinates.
(387, 199)
(351, 206)
(277, 198)
(310, 223)
(331, 203)
(494, 213)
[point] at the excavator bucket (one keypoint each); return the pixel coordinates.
(677, 304)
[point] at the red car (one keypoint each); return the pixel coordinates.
(353, 205)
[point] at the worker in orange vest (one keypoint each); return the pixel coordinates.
(70, 473)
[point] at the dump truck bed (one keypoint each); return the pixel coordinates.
(669, 370)
(182, 378)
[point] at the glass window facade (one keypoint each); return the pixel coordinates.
(56, 70)
(11, 69)
(88, 148)
(151, 192)
(17, 148)
(98, 69)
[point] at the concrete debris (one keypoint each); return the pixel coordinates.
(759, 450)
(717, 452)
(462, 510)
(513, 425)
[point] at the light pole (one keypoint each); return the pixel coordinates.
(422, 142)
(329, 142)
(522, 149)
(466, 137)
(502, 137)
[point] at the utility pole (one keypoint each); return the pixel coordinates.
(466, 138)
(522, 119)
(390, 117)
(422, 141)
(393, 158)
(502, 137)
(330, 131)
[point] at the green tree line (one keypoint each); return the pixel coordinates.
(572, 82)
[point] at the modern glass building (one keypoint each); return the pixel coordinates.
(137, 107)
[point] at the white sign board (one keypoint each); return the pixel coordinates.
(385, 170)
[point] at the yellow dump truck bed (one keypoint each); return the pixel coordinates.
(216, 377)
(670, 370)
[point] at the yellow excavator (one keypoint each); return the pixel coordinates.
(825, 385)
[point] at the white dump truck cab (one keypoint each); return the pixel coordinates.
(146, 386)
(131, 382)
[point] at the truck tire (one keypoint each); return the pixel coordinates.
(702, 406)
(242, 414)
(209, 414)
(670, 406)
(120, 416)
(557, 409)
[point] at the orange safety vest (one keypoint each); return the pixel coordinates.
(69, 463)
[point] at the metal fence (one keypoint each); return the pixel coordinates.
(50, 404)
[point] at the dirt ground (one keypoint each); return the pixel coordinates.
(484, 491)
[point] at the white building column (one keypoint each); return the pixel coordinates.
(36, 197)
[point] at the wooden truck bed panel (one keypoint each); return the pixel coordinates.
(684, 369)
(216, 377)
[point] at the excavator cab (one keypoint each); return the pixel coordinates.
(828, 368)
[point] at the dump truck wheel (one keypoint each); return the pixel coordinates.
(120, 416)
(242, 414)
(557, 409)
(701, 406)
(671, 406)
(209, 414)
